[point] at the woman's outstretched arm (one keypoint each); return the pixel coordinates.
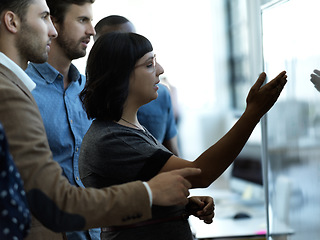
(216, 159)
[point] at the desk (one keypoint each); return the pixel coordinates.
(225, 227)
(228, 228)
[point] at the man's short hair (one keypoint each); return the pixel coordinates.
(19, 7)
(58, 8)
(110, 21)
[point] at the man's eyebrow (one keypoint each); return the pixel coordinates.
(84, 17)
(45, 13)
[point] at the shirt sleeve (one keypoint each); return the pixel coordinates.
(149, 192)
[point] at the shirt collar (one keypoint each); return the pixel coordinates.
(50, 74)
(4, 60)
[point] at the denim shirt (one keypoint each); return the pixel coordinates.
(63, 116)
(157, 116)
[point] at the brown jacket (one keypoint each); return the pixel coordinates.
(54, 203)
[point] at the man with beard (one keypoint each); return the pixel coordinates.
(26, 32)
(58, 86)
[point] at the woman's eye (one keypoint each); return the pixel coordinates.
(150, 65)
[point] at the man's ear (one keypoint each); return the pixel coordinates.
(11, 21)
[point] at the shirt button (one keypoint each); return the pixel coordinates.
(71, 121)
(77, 149)
(77, 178)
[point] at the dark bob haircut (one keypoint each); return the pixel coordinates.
(110, 63)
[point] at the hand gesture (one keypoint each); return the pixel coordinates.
(171, 188)
(201, 207)
(315, 79)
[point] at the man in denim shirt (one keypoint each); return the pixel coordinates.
(58, 86)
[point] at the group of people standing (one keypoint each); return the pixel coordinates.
(101, 151)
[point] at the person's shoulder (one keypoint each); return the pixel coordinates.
(163, 89)
(11, 85)
(164, 94)
(101, 128)
(6, 72)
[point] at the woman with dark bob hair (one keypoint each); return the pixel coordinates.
(122, 75)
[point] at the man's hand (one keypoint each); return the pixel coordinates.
(315, 79)
(201, 207)
(171, 188)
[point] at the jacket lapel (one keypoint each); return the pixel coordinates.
(14, 79)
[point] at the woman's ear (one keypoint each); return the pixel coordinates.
(11, 21)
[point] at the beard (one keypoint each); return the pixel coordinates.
(71, 48)
(30, 46)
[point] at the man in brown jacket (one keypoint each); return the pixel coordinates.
(26, 31)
